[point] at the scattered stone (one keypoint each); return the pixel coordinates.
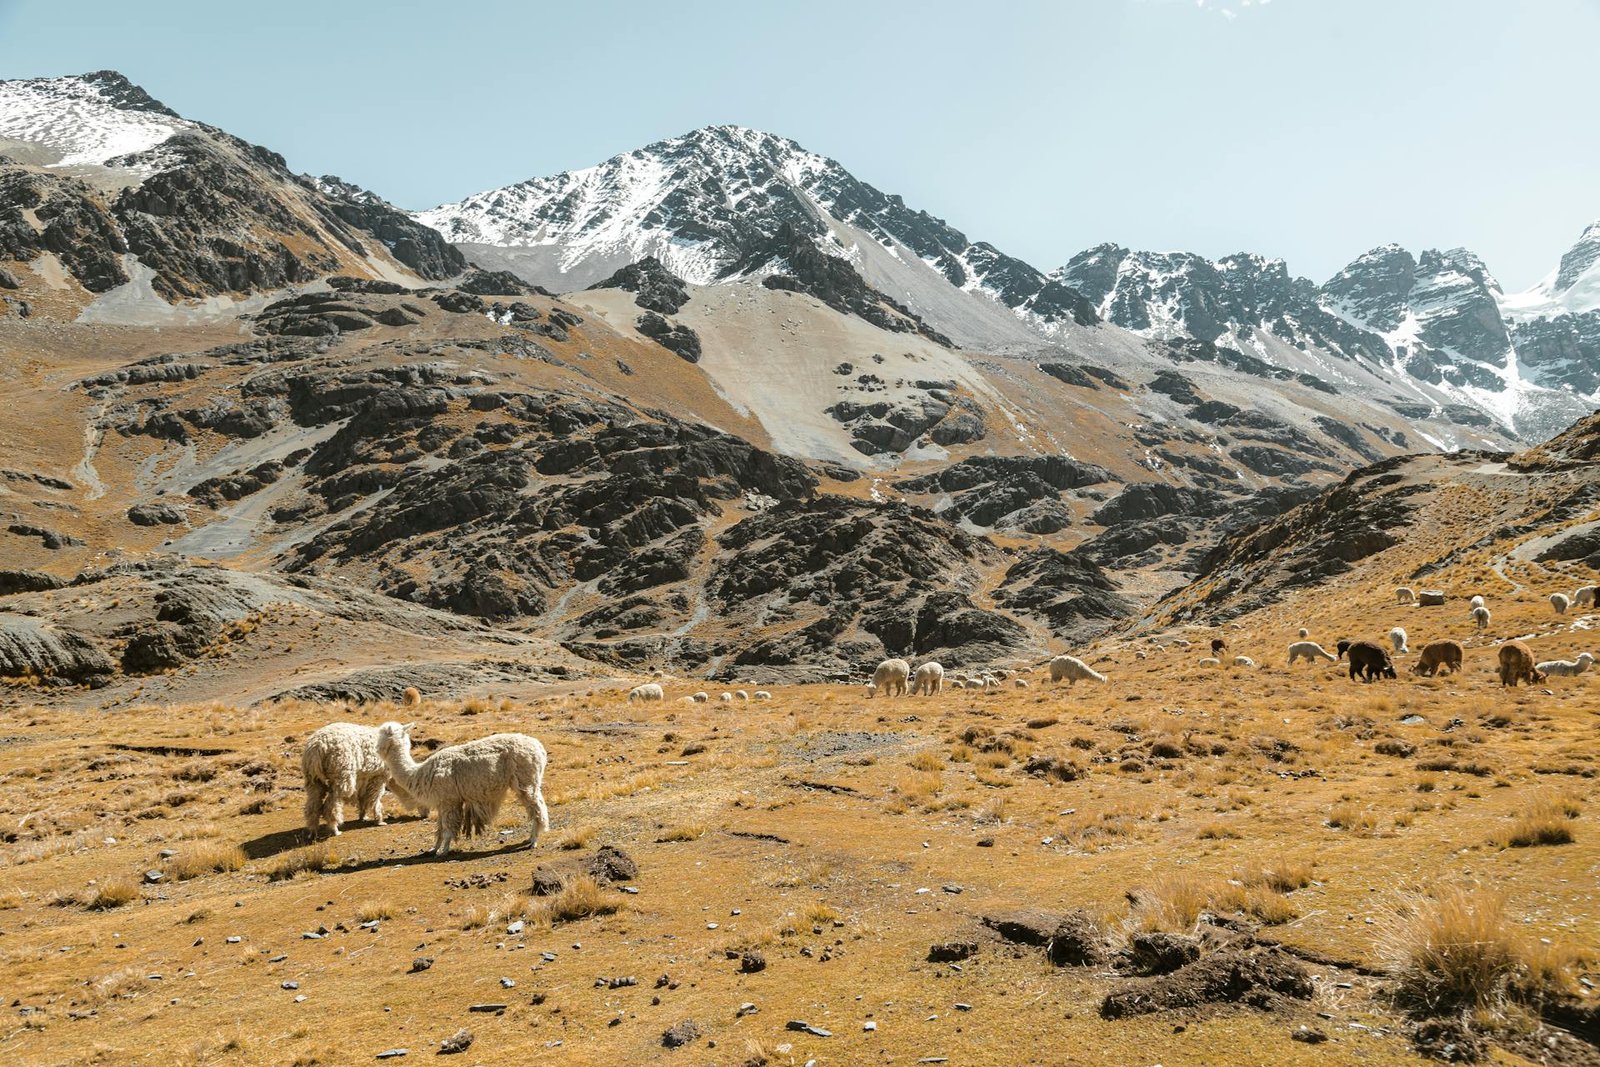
(516, 927)
(751, 962)
(613, 865)
(420, 964)
(680, 1034)
(1158, 953)
(493, 1009)
(152, 877)
(746, 1009)
(309, 935)
(1308, 1035)
(279, 958)
(459, 1041)
(389, 1054)
(289, 985)
(869, 1026)
(801, 1026)
(615, 983)
(508, 983)
(547, 883)
(1251, 975)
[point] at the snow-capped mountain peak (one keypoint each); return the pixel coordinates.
(82, 119)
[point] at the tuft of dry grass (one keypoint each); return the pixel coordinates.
(1456, 950)
(1546, 820)
(378, 910)
(581, 898)
(1173, 901)
(683, 832)
(112, 893)
(1346, 816)
(308, 860)
(206, 858)
(575, 838)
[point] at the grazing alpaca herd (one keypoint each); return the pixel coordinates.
(465, 785)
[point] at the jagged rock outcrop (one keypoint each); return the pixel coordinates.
(655, 288)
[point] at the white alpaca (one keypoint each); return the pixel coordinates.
(1560, 602)
(1405, 595)
(467, 783)
(891, 676)
(1567, 668)
(1074, 670)
(872, 690)
(1243, 661)
(1478, 601)
(1020, 683)
(1481, 617)
(1585, 596)
(340, 763)
(761, 694)
(741, 695)
(1211, 661)
(1310, 651)
(928, 680)
(1139, 654)
(700, 698)
(1397, 638)
(1304, 633)
(648, 691)
(726, 698)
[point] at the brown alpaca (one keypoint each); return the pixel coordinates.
(1516, 665)
(1439, 654)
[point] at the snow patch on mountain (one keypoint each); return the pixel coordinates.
(83, 120)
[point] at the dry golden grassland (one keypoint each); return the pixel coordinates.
(835, 836)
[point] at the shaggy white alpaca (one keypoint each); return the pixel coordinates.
(726, 698)
(761, 694)
(340, 763)
(1585, 596)
(1211, 661)
(1566, 668)
(1310, 651)
(700, 698)
(1304, 633)
(1405, 595)
(1478, 601)
(890, 678)
(1481, 617)
(928, 680)
(1560, 602)
(1074, 670)
(648, 691)
(467, 783)
(1243, 661)
(1397, 638)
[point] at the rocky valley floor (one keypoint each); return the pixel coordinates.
(979, 877)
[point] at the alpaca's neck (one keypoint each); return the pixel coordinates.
(401, 765)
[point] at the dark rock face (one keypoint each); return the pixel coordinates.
(480, 282)
(1069, 374)
(77, 225)
(859, 580)
(164, 645)
(28, 582)
(1010, 492)
(422, 248)
(51, 539)
(882, 427)
(1142, 501)
(802, 267)
(1069, 592)
(674, 337)
(155, 515)
(655, 288)
(29, 648)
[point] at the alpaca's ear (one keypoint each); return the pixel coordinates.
(408, 727)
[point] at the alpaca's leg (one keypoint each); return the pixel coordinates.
(538, 815)
(370, 800)
(449, 823)
(377, 804)
(316, 796)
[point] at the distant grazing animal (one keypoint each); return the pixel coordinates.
(1218, 646)
(1481, 617)
(1516, 665)
(928, 680)
(1139, 654)
(1211, 661)
(1020, 683)
(1304, 633)
(891, 677)
(700, 698)
(726, 698)
(648, 691)
(761, 694)
(1437, 655)
(1309, 651)
(1585, 596)
(1397, 638)
(411, 697)
(467, 783)
(1560, 602)
(958, 684)
(1477, 601)
(1243, 661)
(1405, 595)
(1074, 670)
(1369, 661)
(1343, 646)
(741, 695)
(340, 764)
(1566, 668)
(1180, 642)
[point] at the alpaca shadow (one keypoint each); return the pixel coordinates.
(285, 840)
(456, 854)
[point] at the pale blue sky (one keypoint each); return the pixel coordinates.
(1307, 129)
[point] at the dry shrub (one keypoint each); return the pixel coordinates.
(1544, 821)
(1346, 816)
(684, 832)
(378, 910)
(580, 898)
(112, 893)
(1217, 831)
(206, 858)
(927, 761)
(1456, 950)
(1173, 901)
(312, 858)
(575, 838)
